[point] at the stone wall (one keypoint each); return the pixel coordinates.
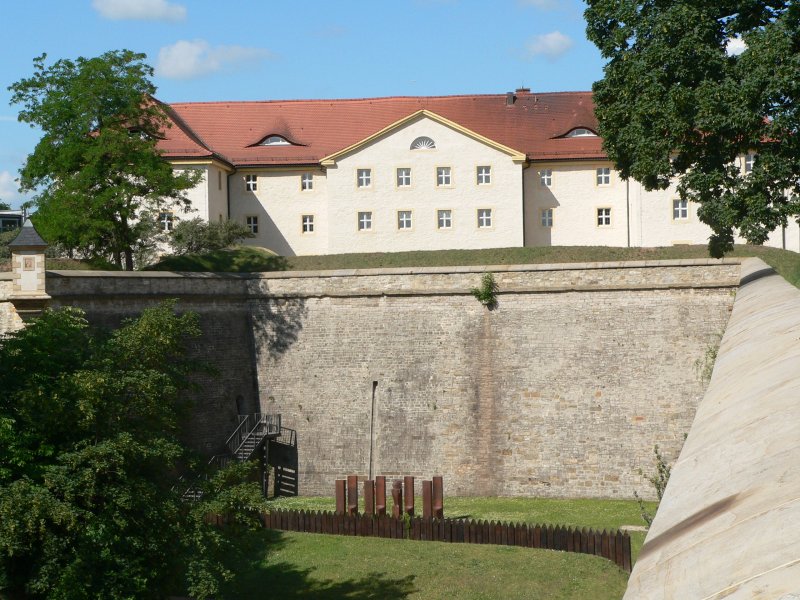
(9, 320)
(562, 390)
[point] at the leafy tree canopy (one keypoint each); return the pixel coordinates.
(4, 205)
(96, 168)
(90, 501)
(675, 102)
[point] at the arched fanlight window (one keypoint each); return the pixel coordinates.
(423, 143)
(581, 132)
(275, 140)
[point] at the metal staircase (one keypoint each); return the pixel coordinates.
(246, 440)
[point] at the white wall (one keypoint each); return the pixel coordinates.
(280, 203)
(574, 196)
(463, 197)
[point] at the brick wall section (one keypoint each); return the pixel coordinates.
(561, 391)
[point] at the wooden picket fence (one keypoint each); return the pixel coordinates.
(613, 545)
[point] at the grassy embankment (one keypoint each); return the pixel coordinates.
(246, 258)
(299, 565)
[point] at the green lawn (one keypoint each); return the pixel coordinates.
(302, 565)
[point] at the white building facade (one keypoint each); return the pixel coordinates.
(401, 174)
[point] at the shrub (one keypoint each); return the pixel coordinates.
(196, 236)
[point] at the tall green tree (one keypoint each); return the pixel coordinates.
(676, 102)
(90, 449)
(96, 167)
(4, 205)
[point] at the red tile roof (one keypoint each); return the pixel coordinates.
(532, 125)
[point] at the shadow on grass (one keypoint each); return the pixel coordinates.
(264, 578)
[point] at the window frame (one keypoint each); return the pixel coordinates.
(367, 221)
(367, 171)
(307, 227)
(402, 216)
(307, 182)
(546, 178)
(166, 220)
(604, 216)
(441, 173)
(397, 182)
(489, 215)
(602, 176)
(250, 182)
(487, 175)
(251, 222)
(680, 212)
(439, 226)
(546, 217)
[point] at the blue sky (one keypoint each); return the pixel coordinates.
(273, 49)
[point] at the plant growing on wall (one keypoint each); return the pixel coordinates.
(658, 480)
(487, 293)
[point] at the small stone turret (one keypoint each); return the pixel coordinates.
(28, 294)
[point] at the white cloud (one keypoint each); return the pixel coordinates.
(551, 45)
(189, 59)
(140, 10)
(8, 187)
(735, 46)
(541, 4)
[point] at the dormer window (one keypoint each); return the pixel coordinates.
(581, 132)
(423, 143)
(276, 140)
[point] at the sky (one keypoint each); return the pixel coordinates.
(275, 50)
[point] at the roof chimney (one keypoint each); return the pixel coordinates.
(510, 98)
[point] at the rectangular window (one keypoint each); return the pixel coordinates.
(604, 176)
(364, 221)
(308, 223)
(484, 175)
(251, 183)
(166, 221)
(546, 177)
(603, 217)
(307, 182)
(444, 219)
(680, 209)
(484, 218)
(443, 176)
(749, 161)
(404, 219)
(252, 224)
(403, 177)
(547, 217)
(364, 178)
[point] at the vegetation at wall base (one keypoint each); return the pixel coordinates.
(240, 259)
(90, 451)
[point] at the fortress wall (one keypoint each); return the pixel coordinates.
(226, 343)
(562, 390)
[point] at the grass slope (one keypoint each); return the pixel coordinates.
(248, 258)
(309, 566)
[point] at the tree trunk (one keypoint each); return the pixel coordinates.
(128, 259)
